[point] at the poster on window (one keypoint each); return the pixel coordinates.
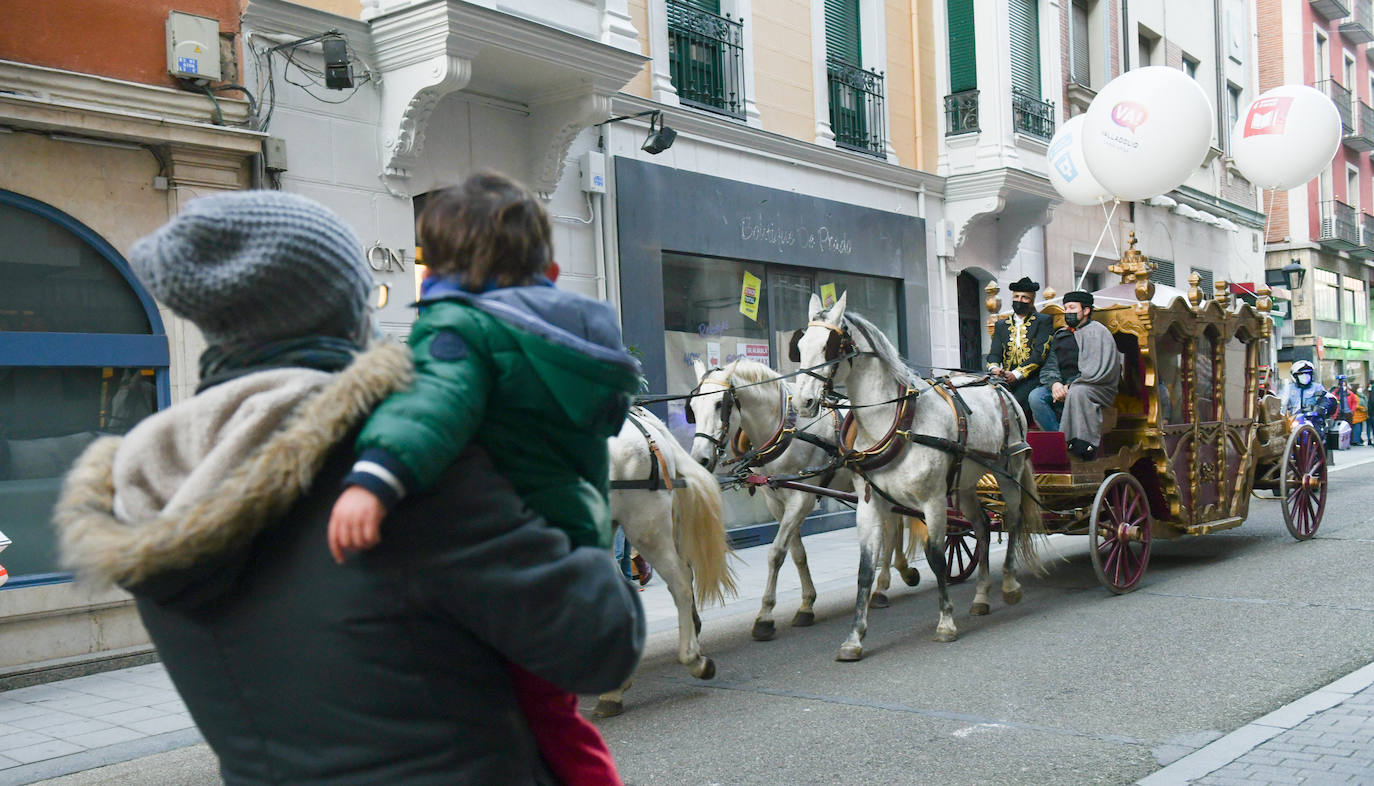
(749, 296)
(750, 350)
(827, 295)
(712, 354)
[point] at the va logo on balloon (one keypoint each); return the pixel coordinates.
(1130, 114)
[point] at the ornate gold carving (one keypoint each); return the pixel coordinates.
(993, 304)
(1223, 293)
(1050, 293)
(1194, 294)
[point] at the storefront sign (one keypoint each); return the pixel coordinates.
(821, 239)
(753, 351)
(749, 296)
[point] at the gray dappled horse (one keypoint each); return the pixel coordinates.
(925, 465)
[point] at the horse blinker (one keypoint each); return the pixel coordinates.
(794, 348)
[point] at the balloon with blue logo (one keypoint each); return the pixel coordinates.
(1069, 171)
(1147, 132)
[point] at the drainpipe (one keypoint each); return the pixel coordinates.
(1222, 96)
(1125, 36)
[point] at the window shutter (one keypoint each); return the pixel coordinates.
(713, 6)
(963, 67)
(1025, 46)
(1163, 273)
(842, 31)
(1205, 285)
(1081, 68)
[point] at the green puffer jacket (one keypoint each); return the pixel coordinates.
(537, 376)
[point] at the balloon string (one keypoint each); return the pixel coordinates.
(1107, 226)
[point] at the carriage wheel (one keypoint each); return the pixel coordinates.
(1119, 535)
(961, 552)
(1303, 482)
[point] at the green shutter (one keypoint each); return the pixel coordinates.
(712, 6)
(842, 31)
(1025, 46)
(963, 66)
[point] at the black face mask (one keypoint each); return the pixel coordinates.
(1072, 320)
(1021, 309)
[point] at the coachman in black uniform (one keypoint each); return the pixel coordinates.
(1020, 344)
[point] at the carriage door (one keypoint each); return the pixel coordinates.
(1209, 473)
(1239, 397)
(1174, 386)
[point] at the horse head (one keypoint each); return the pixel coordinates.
(815, 346)
(709, 409)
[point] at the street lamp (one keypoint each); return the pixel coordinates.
(1290, 275)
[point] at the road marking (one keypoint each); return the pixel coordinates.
(972, 721)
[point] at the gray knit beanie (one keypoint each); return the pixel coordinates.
(252, 267)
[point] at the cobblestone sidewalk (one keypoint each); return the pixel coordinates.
(1326, 737)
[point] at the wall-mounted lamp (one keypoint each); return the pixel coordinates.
(660, 136)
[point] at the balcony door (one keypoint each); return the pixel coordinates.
(1025, 47)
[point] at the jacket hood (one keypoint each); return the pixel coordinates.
(572, 343)
(155, 501)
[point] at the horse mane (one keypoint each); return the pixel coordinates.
(884, 349)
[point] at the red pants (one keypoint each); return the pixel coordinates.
(570, 744)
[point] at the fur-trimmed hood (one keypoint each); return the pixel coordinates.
(200, 479)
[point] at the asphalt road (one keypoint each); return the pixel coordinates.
(1072, 686)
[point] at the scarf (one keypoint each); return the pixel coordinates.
(323, 353)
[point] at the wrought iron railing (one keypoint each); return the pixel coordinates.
(706, 59)
(1367, 239)
(856, 107)
(961, 113)
(1339, 96)
(1338, 226)
(1032, 116)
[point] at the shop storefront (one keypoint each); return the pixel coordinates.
(83, 353)
(715, 269)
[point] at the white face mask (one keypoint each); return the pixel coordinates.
(1304, 379)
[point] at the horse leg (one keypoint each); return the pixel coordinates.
(892, 548)
(609, 705)
(653, 536)
(1013, 522)
(936, 523)
(788, 524)
(973, 513)
(870, 527)
(910, 575)
(806, 613)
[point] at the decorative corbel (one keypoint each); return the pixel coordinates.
(408, 99)
(553, 127)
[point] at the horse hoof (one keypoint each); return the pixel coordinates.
(946, 635)
(850, 653)
(804, 619)
(705, 670)
(1011, 598)
(608, 709)
(911, 576)
(979, 609)
(764, 631)
(879, 601)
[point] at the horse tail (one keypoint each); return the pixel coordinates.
(700, 523)
(1032, 529)
(917, 534)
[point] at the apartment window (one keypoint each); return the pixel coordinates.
(1326, 293)
(1348, 71)
(1147, 47)
(1352, 187)
(961, 105)
(1163, 274)
(1080, 67)
(705, 56)
(1025, 46)
(856, 93)
(1190, 65)
(1232, 110)
(1322, 56)
(1356, 304)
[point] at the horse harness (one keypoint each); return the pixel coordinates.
(659, 477)
(742, 454)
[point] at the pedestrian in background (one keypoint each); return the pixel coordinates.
(1360, 411)
(394, 667)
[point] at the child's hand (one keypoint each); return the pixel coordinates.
(355, 524)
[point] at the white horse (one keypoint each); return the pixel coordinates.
(918, 476)
(749, 398)
(679, 530)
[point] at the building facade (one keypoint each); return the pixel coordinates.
(1326, 225)
(99, 145)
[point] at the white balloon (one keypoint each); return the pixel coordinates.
(1068, 171)
(1147, 131)
(1286, 136)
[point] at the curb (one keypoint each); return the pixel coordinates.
(1213, 757)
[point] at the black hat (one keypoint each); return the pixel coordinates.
(1025, 285)
(1079, 296)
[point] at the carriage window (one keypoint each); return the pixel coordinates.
(1168, 379)
(1204, 378)
(1238, 404)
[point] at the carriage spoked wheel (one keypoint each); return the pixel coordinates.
(1119, 534)
(961, 552)
(1303, 482)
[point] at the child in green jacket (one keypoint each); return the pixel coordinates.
(535, 375)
